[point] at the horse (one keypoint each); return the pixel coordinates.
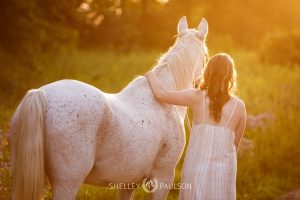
(74, 133)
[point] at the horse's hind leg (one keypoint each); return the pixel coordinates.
(164, 167)
(126, 194)
(70, 158)
(165, 181)
(65, 190)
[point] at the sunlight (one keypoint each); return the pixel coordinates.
(84, 7)
(118, 11)
(163, 1)
(98, 20)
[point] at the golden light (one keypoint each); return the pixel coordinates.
(84, 7)
(118, 11)
(162, 1)
(91, 15)
(98, 20)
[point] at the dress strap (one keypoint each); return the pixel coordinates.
(204, 106)
(232, 112)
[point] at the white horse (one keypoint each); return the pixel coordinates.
(76, 134)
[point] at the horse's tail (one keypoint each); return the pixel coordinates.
(28, 166)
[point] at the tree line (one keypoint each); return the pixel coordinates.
(39, 26)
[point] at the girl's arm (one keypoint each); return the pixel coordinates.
(240, 129)
(186, 97)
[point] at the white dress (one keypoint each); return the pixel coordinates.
(210, 163)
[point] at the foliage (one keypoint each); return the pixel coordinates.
(5, 173)
(281, 48)
(28, 30)
(31, 28)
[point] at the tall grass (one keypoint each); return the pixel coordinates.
(267, 171)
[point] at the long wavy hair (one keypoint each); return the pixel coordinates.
(219, 80)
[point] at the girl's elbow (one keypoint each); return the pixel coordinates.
(160, 96)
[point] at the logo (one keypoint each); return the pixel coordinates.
(150, 185)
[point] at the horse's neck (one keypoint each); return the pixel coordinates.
(167, 79)
(165, 76)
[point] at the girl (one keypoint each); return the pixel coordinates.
(210, 163)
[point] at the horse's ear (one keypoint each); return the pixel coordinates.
(203, 28)
(182, 25)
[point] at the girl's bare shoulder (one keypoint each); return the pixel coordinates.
(240, 105)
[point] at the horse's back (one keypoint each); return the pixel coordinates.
(72, 106)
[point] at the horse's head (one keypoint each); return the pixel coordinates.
(200, 33)
(186, 57)
(187, 39)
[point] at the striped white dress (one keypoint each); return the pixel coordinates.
(210, 163)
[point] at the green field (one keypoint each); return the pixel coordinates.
(266, 171)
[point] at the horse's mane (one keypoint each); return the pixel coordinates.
(185, 54)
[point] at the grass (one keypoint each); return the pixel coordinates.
(266, 171)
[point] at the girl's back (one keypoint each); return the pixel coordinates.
(210, 162)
